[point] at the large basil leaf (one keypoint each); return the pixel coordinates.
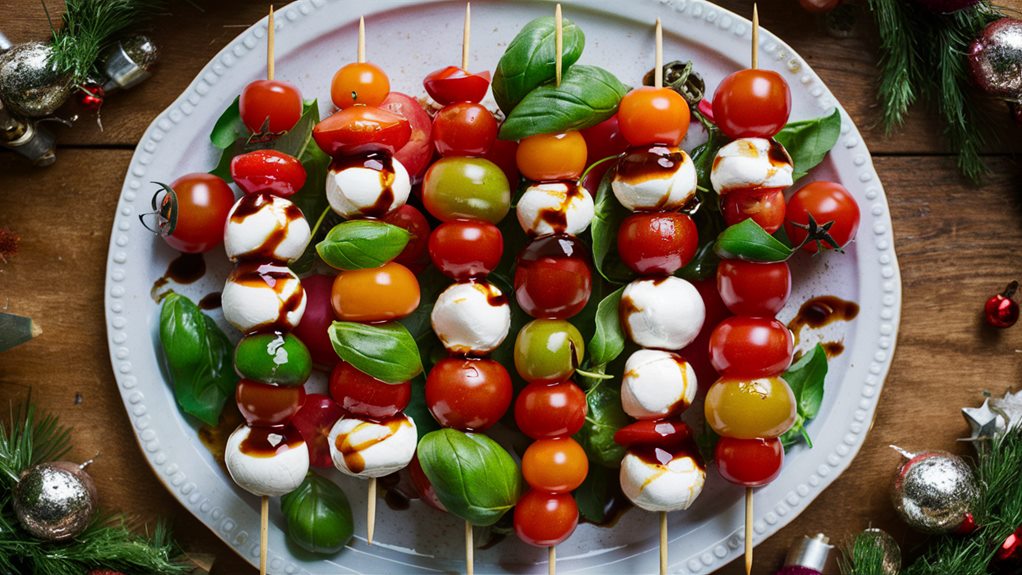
(530, 59)
(603, 419)
(474, 477)
(608, 340)
(361, 244)
(385, 351)
(199, 359)
(229, 127)
(747, 240)
(587, 96)
(318, 515)
(609, 215)
(808, 141)
(805, 378)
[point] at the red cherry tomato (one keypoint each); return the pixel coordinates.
(553, 278)
(827, 202)
(268, 171)
(749, 462)
(665, 434)
(467, 393)
(649, 115)
(751, 347)
(203, 202)
(657, 243)
(423, 486)
(503, 153)
(453, 84)
(464, 129)
(752, 104)
(270, 103)
(267, 405)
(362, 395)
(360, 130)
(417, 153)
(314, 421)
(359, 83)
(698, 352)
(765, 207)
(557, 465)
(414, 256)
(604, 140)
(753, 288)
(550, 410)
(464, 249)
(545, 519)
(318, 316)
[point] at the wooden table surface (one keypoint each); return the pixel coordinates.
(956, 243)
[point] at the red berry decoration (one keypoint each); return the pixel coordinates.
(91, 96)
(1001, 310)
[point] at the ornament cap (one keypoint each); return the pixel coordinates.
(809, 552)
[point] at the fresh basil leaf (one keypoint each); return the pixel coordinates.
(199, 358)
(603, 419)
(361, 244)
(595, 493)
(805, 378)
(609, 339)
(609, 215)
(417, 408)
(228, 127)
(318, 516)
(808, 141)
(530, 59)
(385, 351)
(296, 142)
(587, 96)
(747, 240)
(474, 477)
(703, 266)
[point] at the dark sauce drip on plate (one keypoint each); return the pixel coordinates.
(210, 301)
(380, 162)
(833, 348)
(271, 441)
(393, 495)
(820, 311)
(253, 203)
(214, 438)
(184, 269)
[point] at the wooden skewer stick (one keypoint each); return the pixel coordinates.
(467, 37)
(658, 72)
(361, 40)
(755, 36)
(748, 531)
(663, 543)
(469, 549)
(264, 530)
(552, 559)
(371, 511)
(269, 45)
(558, 41)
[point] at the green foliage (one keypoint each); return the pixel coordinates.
(806, 377)
(864, 556)
(808, 141)
(385, 351)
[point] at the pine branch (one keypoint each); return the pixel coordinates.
(865, 556)
(899, 60)
(26, 441)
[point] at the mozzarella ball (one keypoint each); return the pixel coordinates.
(366, 449)
(657, 384)
(656, 486)
(261, 296)
(749, 163)
(371, 186)
(266, 228)
(555, 208)
(660, 178)
(275, 465)
(662, 313)
(471, 317)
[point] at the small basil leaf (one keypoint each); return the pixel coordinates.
(609, 215)
(808, 141)
(361, 244)
(417, 409)
(318, 516)
(703, 266)
(474, 477)
(805, 378)
(747, 240)
(385, 351)
(609, 339)
(530, 59)
(595, 493)
(199, 358)
(603, 419)
(587, 96)
(228, 127)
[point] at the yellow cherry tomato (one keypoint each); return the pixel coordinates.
(750, 408)
(551, 157)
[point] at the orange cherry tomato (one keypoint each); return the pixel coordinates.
(549, 157)
(648, 116)
(556, 465)
(385, 293)
(359, 83)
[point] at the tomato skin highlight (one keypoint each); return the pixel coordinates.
(827, 202)
(268, 171)
(466, 249)
(545, 519)
(314, 419)
(273, 103)
(657, 243)
(362, 83)
(553, 277)
(362, 395)
(752, 288)
(557, 465)
(464, 129)
(386, 293)
(752, 104)
(262, 404)
(468, 394)
(649, 116)
(751, 347)
(552, 157)
(453, 84)
(203, 202)
(765, 207)
(749, 462)
(669, 435)
(362, 130)
(543, 411)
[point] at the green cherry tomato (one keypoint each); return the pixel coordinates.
(277, 358)
(548, 351)
(466, 188)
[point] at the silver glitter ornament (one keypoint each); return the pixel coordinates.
(129, 62)
(995, 59)
(29, 84)
(891, 553)
(55, 501)
(934, 491)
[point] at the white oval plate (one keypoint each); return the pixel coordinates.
(314, 38)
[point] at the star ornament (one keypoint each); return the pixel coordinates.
(1009, 409)
(984, 422)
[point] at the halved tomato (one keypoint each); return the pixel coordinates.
(662, 433)
(416, 154)
(453, 84)
(360, 130)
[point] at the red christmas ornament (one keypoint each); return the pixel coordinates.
(968, 525)
(1001, 310)
(90, 96)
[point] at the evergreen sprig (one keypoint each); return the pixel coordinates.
(864, 556)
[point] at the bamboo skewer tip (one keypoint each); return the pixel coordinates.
(269, 45)
(264, 528)
(658, 71)
(755, 36)
(361, 39)
(558, 42)
(467, 37)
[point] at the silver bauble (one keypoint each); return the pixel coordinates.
(129, 62)
(889, 550)
(995, 59)
(934, 491)
(29, 84)
(55, 501)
